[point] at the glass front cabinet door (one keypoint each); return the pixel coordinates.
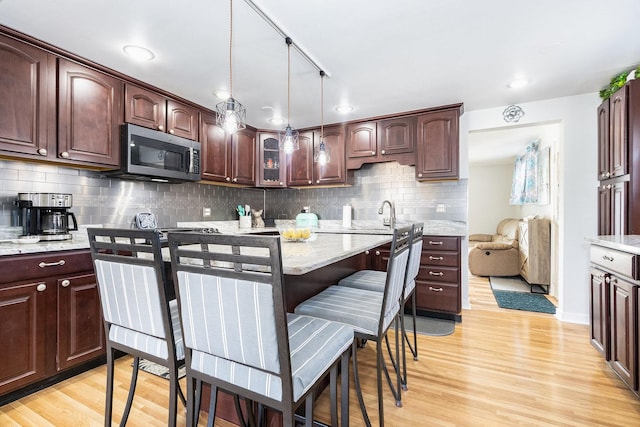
(272, 161)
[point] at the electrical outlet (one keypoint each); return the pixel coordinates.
(206, 211)
(441, 207)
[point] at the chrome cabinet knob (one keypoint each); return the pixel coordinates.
(228, 179)
(317, 181)
(160, 127)
(367, 252)
(65, 283)
(64, 155)
(41, 287)
(235, 179)
(310, 182)
(281, 183)
(420, 175)
(382, 152)
(42, 151)
(373, 153)
(377, 253)
(171, 131)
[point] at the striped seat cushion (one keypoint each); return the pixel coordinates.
(373, 280)
(358, 308)
(148, 343)
(315, 344)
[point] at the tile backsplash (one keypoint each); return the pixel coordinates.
(114, 202)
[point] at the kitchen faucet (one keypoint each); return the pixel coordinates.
(391, 220)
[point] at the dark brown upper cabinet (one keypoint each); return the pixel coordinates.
(152, 110)
(437, 150)
(386, 140)
(227, 158)
(89, 114)
(28, 94)
(300, 162)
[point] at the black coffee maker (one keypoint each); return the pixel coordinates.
(46, 215)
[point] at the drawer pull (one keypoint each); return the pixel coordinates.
(431, 288)
(436, 273)
(431, 242)
(51, 264)
(607, 258)
(436, 258)
(41, 287)
(65, 283)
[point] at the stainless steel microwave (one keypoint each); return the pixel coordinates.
(151, 155)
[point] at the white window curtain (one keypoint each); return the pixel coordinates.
(526, 185)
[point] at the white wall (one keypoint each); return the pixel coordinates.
(489, 189)
(576, 192)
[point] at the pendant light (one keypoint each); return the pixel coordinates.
(230, 114)
(322, 156)
(288, 136)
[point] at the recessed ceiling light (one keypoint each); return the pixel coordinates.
(222, 94)
(138, 53)
(518, 83)
(344, 109)
(278, 121)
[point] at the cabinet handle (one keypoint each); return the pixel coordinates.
(310, 182)
(171, 131)
(51, 264)
(436, 273)
(65, 283)
(432, 242)
(42, 151)
(367, 252)
(373, 153)
(420, 175)
(64, 155)
(160, 127)
(613, 280)
(436, 258)
(41, 287)
(431, 288)
(235, 179)
(382, 151)
(377, 253)
(607, 258)
(228, 179)
(607, 174)
(317, 181)
(607, 279)
(281, 183)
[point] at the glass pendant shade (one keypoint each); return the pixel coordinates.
(322, 156)
(288, 138)
(231, 115)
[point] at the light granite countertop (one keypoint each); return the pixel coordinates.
(431, 227)
(357, 229)
(628, 243)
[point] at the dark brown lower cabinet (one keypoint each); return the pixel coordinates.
(614, 310)
(50, 317)
(623, 331)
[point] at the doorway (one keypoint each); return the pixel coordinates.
(492, 154)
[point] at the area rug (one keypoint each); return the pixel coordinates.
(430, 325)
(524, 301)
(159, 370)
(514, 284)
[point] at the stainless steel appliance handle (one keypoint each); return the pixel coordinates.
(191, 159)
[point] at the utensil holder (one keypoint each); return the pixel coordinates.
(245, 221)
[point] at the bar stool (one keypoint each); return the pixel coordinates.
(374, 280)
(138, 317)
(237, 334)
(371, 314)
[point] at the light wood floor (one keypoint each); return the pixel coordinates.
(499, 368)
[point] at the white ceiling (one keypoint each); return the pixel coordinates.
(383, 57)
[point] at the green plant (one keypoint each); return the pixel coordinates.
(616, 83)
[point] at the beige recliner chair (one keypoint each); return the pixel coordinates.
(496, 254)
